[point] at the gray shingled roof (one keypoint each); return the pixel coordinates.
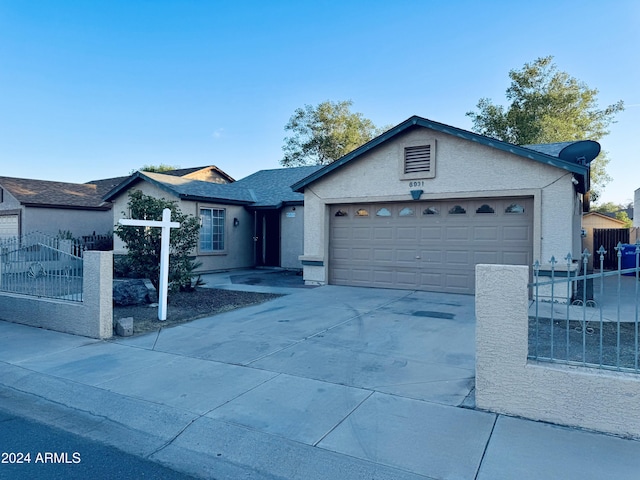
(552, 149)
(189, 189)
(54, 194)
(107, 184)
(272, 188)
(266, 188)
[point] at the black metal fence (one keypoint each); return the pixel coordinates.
(592, 320)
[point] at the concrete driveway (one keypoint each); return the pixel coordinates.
(332, 382)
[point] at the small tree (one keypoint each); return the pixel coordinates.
(143, 243)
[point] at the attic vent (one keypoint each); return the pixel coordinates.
(417, 159)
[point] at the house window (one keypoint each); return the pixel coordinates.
(212, 229)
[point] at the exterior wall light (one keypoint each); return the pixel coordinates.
(236, 222)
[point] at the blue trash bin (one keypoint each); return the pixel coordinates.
(628, 259)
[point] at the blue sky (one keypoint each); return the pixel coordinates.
(95, 89)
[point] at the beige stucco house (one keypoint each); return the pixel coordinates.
(28, 205)
(255, 221)
(419, 206)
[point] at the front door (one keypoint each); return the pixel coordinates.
(267, 238)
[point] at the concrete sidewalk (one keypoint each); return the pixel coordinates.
(324, 383)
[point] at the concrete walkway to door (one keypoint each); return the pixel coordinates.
(324, 383)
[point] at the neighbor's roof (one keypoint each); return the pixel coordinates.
(184, 172)
(272, 188)
(187, 189)
(603, 216)
(581, 171)
(44, 193)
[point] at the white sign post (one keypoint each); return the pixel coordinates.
(166, 225)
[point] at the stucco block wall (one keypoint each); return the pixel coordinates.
(93, 317)
(463, 169)
(291, 236)
(507, 383)
(239, 247)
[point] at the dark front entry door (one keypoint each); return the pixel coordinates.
(267, 238)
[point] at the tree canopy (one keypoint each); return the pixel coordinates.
(548, 105)
(322, 134)
(155, 168)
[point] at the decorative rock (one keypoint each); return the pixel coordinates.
(124, 327)
(130, 292)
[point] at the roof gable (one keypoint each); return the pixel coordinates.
(603, 217)
(186, 189)
(582, 171)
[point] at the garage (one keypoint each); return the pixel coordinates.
(9, 226)
(422, 204)
(431, 246)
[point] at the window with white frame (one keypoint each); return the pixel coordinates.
(212, 229)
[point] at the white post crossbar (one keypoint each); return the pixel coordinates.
(166, 225)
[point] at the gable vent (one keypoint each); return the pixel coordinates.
(417, 159)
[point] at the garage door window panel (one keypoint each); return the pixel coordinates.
(407, 212)
(431, 211)
(383, 212)
(484, 209)
(457, 210)
(362, 213)
(514, 208)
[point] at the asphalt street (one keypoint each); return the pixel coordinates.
(31, 450)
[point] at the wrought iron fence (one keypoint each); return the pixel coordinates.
(588, 319)
(42, 266)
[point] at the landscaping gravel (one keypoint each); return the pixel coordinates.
(186, 306)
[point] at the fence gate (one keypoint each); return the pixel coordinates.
(609, 238)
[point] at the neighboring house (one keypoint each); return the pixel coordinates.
(419, 206)
(636, 206)
(28, 205)
(256, 221)
(591, 221)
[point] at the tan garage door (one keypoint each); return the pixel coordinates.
(431, 246)
(8, 226)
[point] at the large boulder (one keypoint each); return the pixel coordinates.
(130, 292)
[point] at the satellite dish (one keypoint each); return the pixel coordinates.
(582, 152)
